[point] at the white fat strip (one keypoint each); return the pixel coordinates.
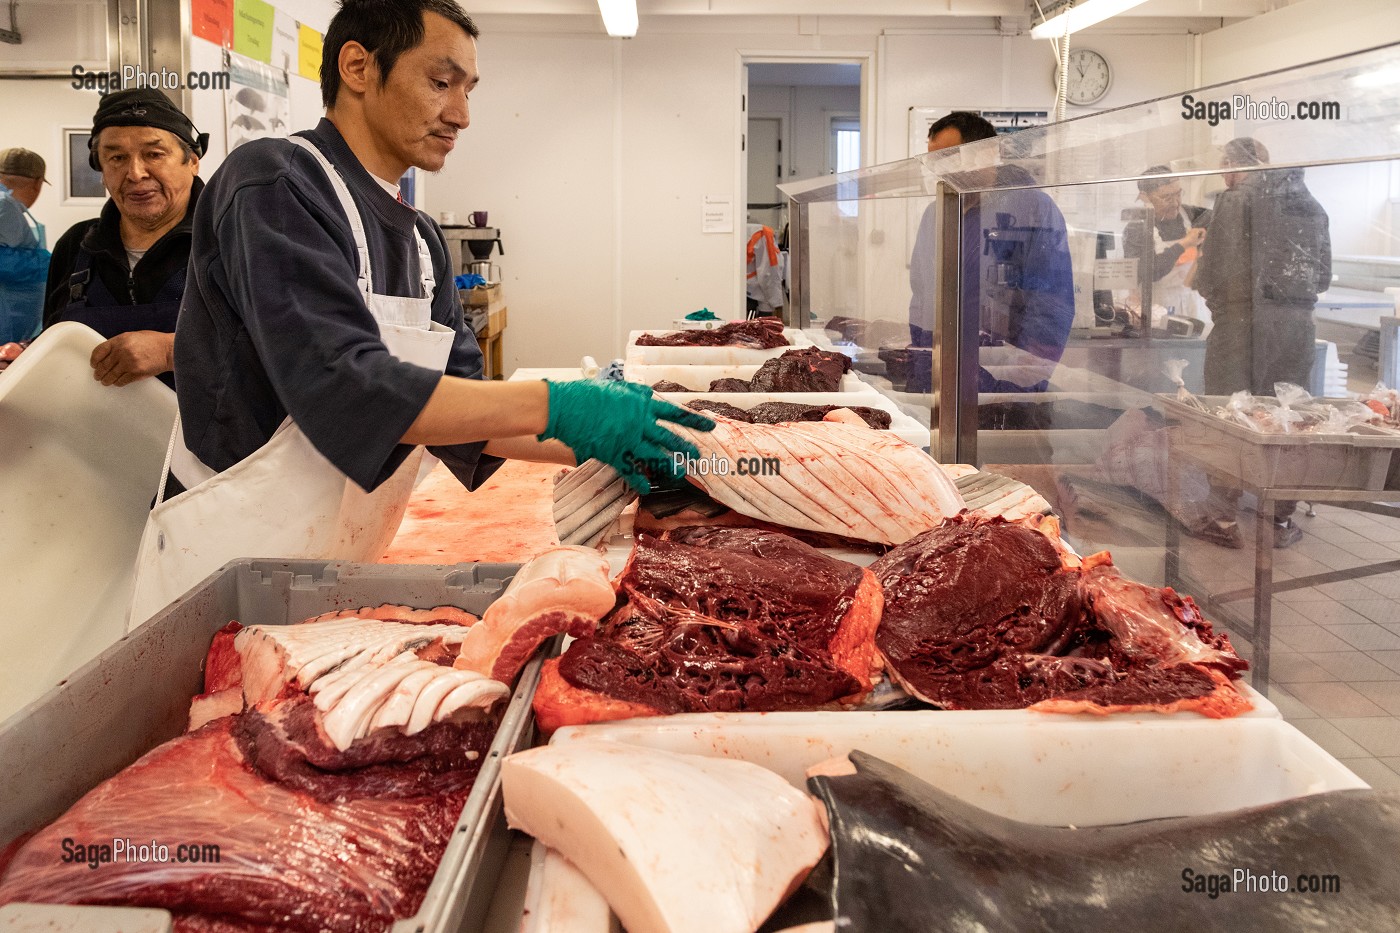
(479, 693)
(349, 719)
(426, 705)
(315, 649)
(801, 490)
(919, 485)
(399, 706)
(875, 522)
(740, 494)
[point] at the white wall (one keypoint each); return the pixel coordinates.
(35, 111)
(593, 155)
(1296, 34)
(1358, 197)
(808, 110)
(986, 71)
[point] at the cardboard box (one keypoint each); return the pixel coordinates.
(483, 296)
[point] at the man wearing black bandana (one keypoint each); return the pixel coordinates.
(123, 274)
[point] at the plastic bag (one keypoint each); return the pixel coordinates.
(1174, 370)
(1385, 402)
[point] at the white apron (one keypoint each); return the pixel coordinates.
(286, 500)
(1172, 292)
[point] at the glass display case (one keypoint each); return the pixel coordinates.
(1040, 301)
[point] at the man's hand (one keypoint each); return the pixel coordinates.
(619, 423)
(1194, 237)
(137, 354)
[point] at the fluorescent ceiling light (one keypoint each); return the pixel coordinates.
(1080, 17)
(620, 16)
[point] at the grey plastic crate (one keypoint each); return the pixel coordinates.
(1355, 460)
(136, 695)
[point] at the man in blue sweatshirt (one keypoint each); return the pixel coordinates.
(321, 345)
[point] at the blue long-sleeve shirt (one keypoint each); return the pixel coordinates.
(1039, 310)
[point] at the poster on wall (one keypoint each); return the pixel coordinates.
(252, 29)
(257, 103)
(284, 41)
(309, 53)
(212, 21)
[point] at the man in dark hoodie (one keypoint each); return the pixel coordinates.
(1266, 258)
(123, 274)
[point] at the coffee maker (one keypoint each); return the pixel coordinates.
(481, 242)
(472, 248)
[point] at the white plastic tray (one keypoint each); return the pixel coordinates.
(901, 425)
(1054, 771)
(700, 377)
(1038, 768)
(708, 356)
(80, 463)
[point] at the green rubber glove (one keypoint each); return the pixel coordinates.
(616, 422)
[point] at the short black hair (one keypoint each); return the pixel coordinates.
(386, 28)
(969, 125)
(1149, 185)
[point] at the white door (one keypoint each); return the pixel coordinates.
(765, 151)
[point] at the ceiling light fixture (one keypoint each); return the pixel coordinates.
(619, 17)
(1079, 16)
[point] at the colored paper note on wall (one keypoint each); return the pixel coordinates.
(252, 29)
(284, 42)
(212, 20)
(309, 59)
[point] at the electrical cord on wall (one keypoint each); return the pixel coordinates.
(1060, 48)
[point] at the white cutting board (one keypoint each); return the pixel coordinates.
(79, 465)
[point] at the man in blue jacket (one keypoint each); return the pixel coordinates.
(1018, 229)
(24, 258)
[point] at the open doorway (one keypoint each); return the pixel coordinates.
(802, 120)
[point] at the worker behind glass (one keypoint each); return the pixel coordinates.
(1265, 260)
(1172, 243)
(1015, 271)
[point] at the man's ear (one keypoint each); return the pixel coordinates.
(357, 67)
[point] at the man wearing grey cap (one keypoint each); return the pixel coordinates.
(24, 259)
(123, 274)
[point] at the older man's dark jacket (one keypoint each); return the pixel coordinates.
(101, 239)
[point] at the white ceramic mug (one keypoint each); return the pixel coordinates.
(447, 218)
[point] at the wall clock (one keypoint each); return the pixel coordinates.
(1089, 77)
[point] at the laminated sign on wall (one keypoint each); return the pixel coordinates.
(257, 102)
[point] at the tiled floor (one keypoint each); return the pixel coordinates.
(1335, 648)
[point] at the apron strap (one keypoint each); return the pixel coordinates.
(425, 265)
(352, 213)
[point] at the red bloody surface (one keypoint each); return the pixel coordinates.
(509, 519)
